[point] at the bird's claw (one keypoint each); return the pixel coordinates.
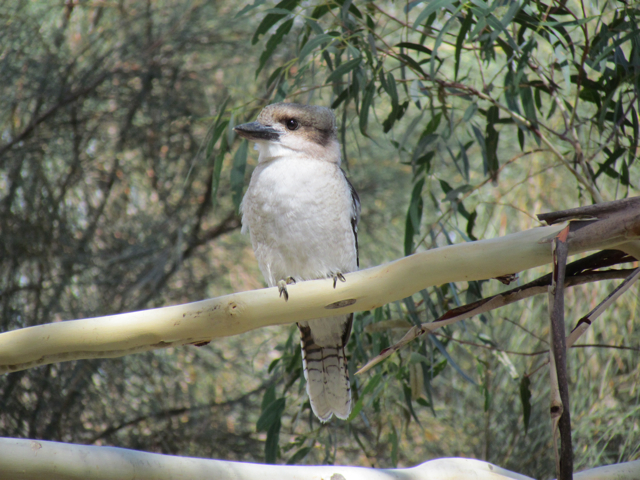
(337, 276)
(282, 287)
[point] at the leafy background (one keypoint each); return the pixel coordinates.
(121, 178)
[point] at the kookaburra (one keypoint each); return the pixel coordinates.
(302, 215)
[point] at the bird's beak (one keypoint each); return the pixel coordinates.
(257, 131)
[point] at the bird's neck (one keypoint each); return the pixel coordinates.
(269, 152)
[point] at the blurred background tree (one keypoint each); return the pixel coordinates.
(120, 182)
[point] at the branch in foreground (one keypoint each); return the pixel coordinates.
(35, 459)
(199, 322)
(30, 459)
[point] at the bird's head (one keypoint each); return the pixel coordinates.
(285, 129)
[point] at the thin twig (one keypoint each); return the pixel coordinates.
(585, 322)
(537, 353)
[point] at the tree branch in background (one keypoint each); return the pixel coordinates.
(175, 412)
(69, 99)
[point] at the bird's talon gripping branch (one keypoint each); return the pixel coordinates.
(336, 277)
(282, 287)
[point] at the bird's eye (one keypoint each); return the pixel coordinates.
(292, 124)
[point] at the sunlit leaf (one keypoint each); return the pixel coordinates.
(432, 7)
(247, 8)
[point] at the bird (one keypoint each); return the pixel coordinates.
(302, 216)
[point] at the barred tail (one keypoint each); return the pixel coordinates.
(325, 365)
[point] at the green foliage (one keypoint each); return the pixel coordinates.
(470, 94)
(111, 157)
(414, 217)
(270, 421)
(120, 181)
(525, 398)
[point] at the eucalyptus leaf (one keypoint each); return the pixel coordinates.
(237, 173)
(272, 18)
(343, 69)
(312, 44)
(432, 7)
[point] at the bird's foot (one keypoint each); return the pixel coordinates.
(337, 276)
(282, 287)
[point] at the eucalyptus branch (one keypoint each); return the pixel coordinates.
(36, 459)
(195, 323)
(615, 223)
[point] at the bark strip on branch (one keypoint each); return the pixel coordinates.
(625, 208)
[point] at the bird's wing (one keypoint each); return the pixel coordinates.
(355, 214)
